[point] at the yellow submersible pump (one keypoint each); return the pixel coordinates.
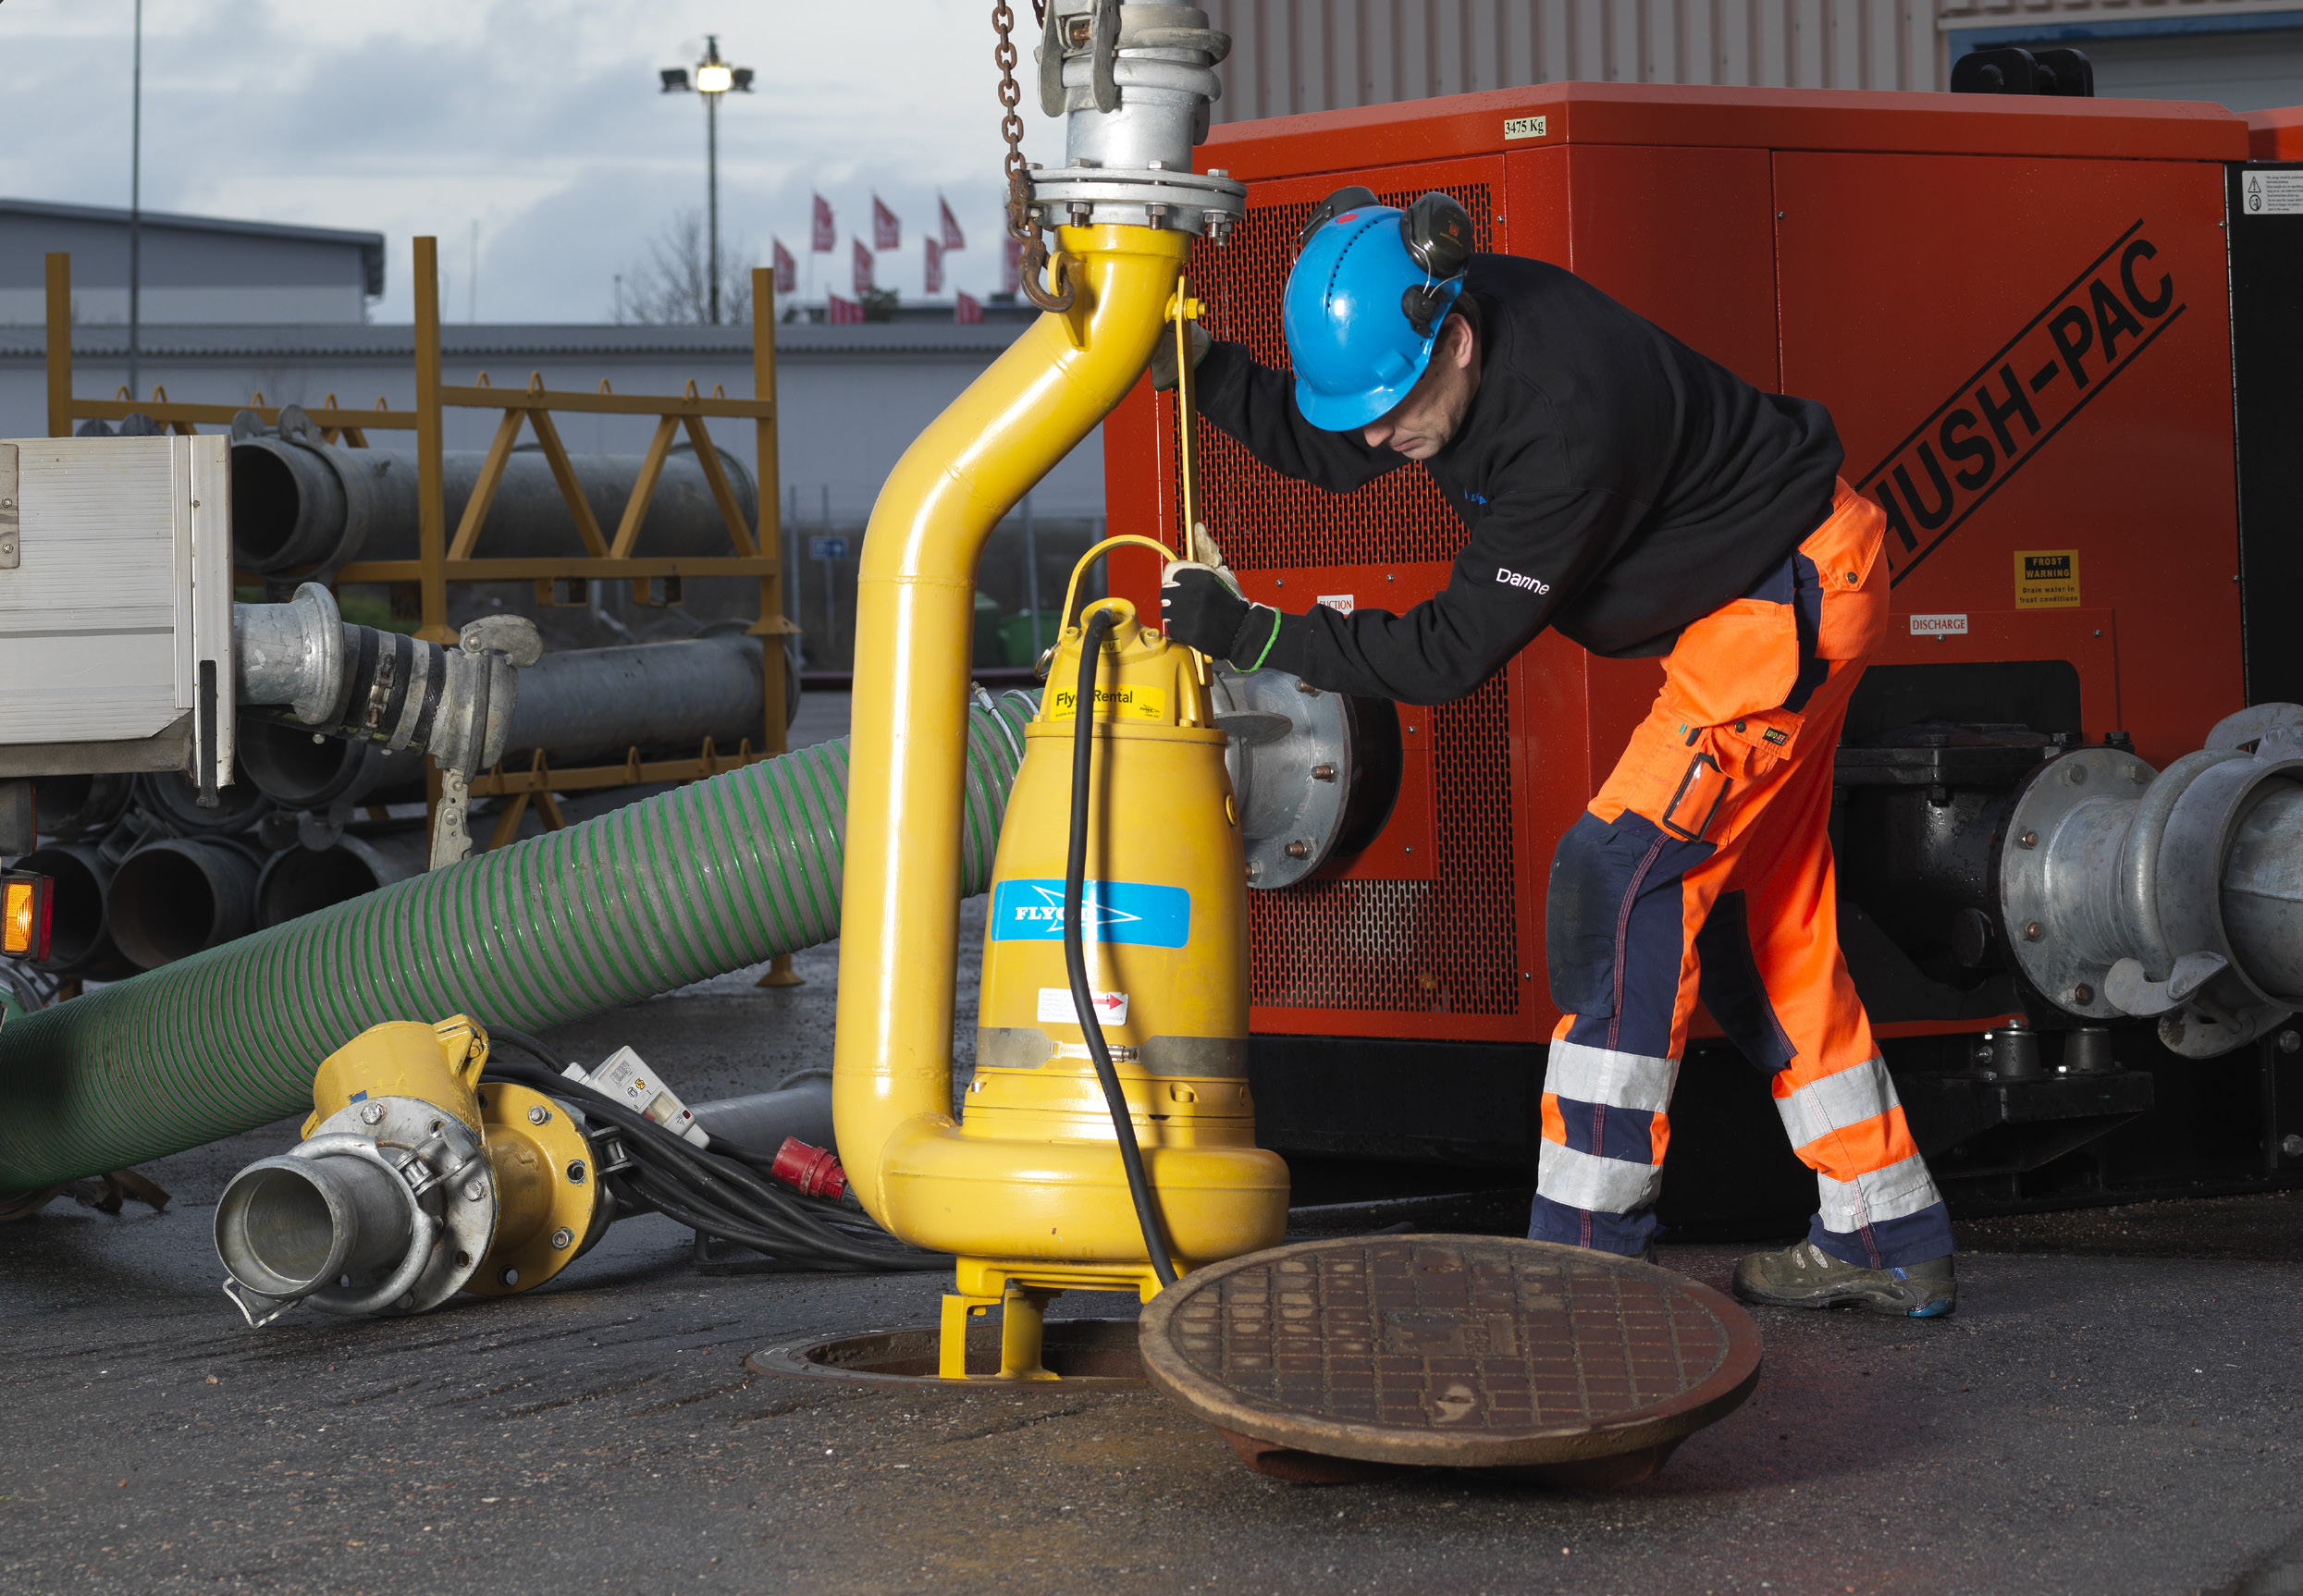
(1031, 1189)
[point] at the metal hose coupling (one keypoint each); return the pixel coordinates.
(363, 683)
(411, 1183)
(1134, 83)
(2174, 894)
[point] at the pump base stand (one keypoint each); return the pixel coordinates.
(1331, 1361)
(1022, 1290)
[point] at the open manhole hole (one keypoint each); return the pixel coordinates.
(1088, 1354)
(1345, 1360)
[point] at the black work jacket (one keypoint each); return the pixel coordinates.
(1616, 485)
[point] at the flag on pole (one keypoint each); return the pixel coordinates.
(887, 233)
(953, 238)
(933, 253)
(862, 269)
(824, 239)
(787, 269)
(841, 311)
(1011, 266)
(967, 308)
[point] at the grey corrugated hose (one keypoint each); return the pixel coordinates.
(689, 883)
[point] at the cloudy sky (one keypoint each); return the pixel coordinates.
(540, 120)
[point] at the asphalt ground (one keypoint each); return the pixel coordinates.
(2112, 1409)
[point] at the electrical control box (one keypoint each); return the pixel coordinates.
(115, 606)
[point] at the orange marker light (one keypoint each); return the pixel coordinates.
(24, 904)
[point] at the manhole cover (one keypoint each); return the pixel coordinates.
(1461, 1351)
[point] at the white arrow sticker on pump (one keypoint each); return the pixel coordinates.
(1055, 1007)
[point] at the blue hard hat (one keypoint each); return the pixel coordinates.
(1356, 352)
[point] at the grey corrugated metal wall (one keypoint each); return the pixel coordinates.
(1296, 55)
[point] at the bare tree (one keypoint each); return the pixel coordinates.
(673, 283)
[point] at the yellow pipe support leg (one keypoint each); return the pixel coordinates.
(1023, 1315)
(915, 620)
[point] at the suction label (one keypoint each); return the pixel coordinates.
(1129, 703)
(1137, 913)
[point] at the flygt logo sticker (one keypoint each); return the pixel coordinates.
(1117, 913)
(2004, 414)
(1510, 578)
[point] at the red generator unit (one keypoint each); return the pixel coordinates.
(2020, 313)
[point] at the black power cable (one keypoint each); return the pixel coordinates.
(714, 1193)
(1075, 957)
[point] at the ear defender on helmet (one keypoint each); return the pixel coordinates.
(1437, 233)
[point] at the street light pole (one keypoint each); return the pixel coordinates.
(135, 203)
(711, 188)
(713, 78)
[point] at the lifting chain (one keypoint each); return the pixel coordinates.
(1021, 227)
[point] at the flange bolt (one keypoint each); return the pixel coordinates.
(539, 1115)
(1323, 772)
(507, 1277)
(1299, 849)
(575, 1172)
(2291, 1041)
(562, 1238)
(474, 1190)
(2083, 993)
(2031, 931)
(373, 1114)
(2029, 840)
(2292, 1146)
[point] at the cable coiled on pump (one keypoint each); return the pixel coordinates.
(715, 1193)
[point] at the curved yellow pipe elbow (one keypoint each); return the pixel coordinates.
(915, 620)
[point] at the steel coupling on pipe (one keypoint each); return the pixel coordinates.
(2175, 894)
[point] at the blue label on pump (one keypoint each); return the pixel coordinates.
(1114, 912)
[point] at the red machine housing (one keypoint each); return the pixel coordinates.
(2017, 312)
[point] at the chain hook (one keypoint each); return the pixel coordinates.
(1035, 257)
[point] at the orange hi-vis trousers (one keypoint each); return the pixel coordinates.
(1703, 869)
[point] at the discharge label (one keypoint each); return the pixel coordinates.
(2010, 406)
(1939, 626)
(2046, 577)
(1057, 1008)
(2271, 194)
(1139, 913)
(1112, 703)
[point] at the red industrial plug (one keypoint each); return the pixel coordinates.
(816, 1171)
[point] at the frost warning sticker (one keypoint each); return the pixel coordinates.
(2271, 194)
(1141, 914)
(2046, 578)
(2014, 403)
(1057, 1008)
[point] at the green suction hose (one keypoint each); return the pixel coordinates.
(689, 883)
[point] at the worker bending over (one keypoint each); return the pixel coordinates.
(1644, 500)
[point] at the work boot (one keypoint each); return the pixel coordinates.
(1806, 1276)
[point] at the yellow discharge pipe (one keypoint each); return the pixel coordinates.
(915, 620)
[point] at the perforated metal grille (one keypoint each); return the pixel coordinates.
(1449, 945)
(1262, 519)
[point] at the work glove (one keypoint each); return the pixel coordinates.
(1199, 609)
(1162, 365)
